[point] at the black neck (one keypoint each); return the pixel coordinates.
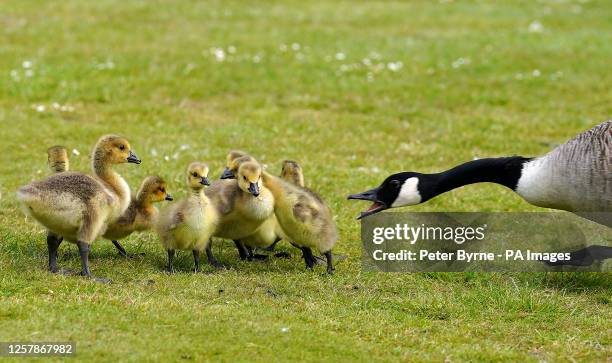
(505, 171)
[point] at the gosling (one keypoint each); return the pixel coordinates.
(305, 219)
(190, 223)
(244, 205)
(77, 206)
(141, 213)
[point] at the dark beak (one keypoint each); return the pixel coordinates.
(169, 197)
(204, 181)
(227, 174)
(254, 189)
(371, 195)
(132, 158)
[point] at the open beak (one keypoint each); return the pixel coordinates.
(371, 195)
(169, 197)
(204, 181)
(254, 189)
(132, 158)
(227, 174)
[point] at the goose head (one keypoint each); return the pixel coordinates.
(113, 149)
(229, 163)
(231, 170)
(292, 171)
(57, 158)
(197, 175)
(153, 189)
(249, 177)
(398, 190)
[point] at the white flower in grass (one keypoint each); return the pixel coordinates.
(535, 27)
(75, 152)
(185, 147)
(40, 108)
(256, 58)
(166, 158)
(29, 73)
(55, 105)
(15, 75)
(153, 152)
(340, 56)
(295, 46)
(461, 62)
(282, 47)
(284, 330)
(26, 64)
(536, 73)
(219, 54)
(395, 66)
(231, 49)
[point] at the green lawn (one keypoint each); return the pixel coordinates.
(353, 90)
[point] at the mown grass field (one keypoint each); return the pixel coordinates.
(353, 90)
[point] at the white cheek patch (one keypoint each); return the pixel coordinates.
(409, 194)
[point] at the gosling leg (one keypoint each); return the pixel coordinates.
(330, 266)
(271, 247)
(84, 252)
(308, 257)
(242, 251)
(196, 260)
(170, 267)
(211, 258)
(120, 248)
(53, 244)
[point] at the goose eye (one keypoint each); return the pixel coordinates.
(395, 183)
(162, 190)
(121, 147)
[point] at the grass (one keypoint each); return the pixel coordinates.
(473, 82)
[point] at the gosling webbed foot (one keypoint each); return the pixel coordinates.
(242, 251)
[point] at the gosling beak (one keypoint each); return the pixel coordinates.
(132, 158)
(254, 189)
(204, 181)
(371, 195)
(169, 197)
(227, 174)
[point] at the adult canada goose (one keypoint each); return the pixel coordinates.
(575, 177)
(78, 206)
(140, 215)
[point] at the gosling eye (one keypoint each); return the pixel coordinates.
(121, 147)
(244, 177)
(195, 175)
(162, 190)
